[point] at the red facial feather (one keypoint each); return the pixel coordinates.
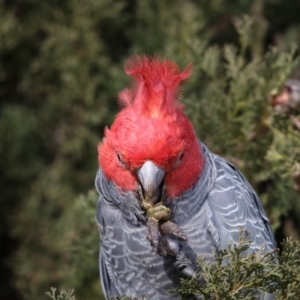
(152, 127)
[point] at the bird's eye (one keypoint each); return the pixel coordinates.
(120, 159)
(180, 156)
(179, 159)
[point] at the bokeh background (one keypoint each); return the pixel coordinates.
(61, 68)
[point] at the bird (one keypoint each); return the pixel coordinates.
(288, 98)
(164, 198)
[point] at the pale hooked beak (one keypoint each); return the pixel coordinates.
(150, 177)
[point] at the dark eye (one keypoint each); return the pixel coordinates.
(180, 156)
(120, 159)
(179, 159)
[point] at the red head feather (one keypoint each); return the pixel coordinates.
(157, 81)
(152, 127)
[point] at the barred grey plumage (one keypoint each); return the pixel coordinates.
(210, 213)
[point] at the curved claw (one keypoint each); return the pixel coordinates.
(169, 227)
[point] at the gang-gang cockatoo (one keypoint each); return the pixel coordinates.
(164, 198)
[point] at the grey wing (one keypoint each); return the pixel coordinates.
(128, 265)
(120, 259)
(234, 205)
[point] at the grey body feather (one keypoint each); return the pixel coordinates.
(210, 213)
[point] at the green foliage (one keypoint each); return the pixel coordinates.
(232, 114)
(234, 274)
(63, 295)
(237, 273)
(57, 99)
(289, 279)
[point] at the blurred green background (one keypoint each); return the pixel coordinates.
(61, 68)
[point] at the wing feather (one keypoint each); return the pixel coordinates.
(234, 205)
(128, 264)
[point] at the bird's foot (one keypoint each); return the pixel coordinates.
(159, 234)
